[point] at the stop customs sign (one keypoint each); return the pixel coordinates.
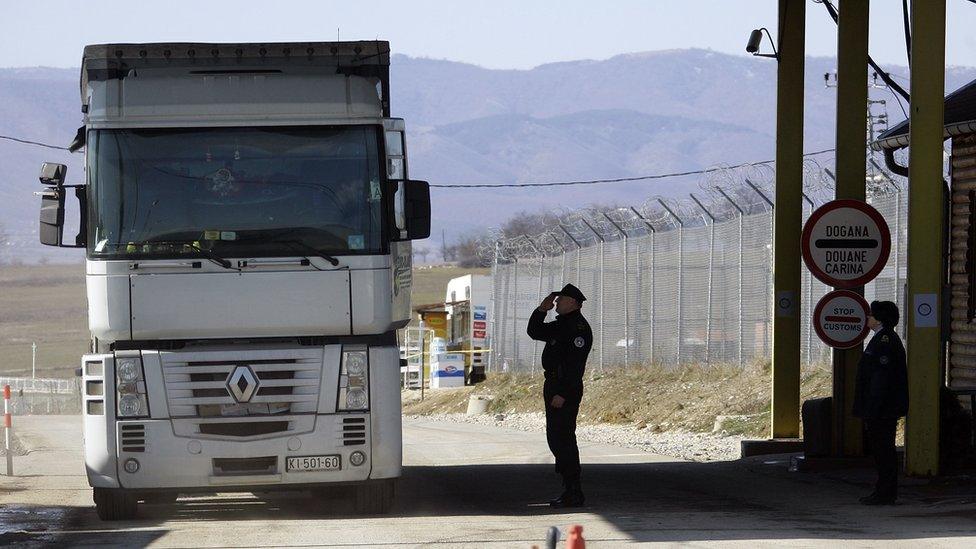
(846, 243)
(841, 319)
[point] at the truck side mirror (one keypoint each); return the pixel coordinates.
(417, 202)
(411, 210)
(51, 226)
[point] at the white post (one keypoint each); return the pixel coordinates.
(33, 360)
(7, 428)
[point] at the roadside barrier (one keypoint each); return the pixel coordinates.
(8, 426)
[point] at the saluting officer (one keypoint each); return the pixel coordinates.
(881, 397)
(568, 341)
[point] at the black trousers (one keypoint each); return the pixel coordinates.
(561, 432)
(881, 441)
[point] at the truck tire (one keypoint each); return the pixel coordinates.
(114, 504)
(374, 498)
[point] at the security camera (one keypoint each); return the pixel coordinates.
(754, 39)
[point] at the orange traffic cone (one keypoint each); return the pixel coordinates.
(575, 539)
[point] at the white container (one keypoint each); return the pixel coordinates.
(447, 370)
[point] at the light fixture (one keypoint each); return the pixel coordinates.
(755, 40)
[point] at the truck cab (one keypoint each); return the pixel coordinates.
(247, 220)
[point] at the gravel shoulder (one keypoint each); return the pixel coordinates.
(684, 445)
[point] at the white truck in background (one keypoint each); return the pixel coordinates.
(247, 219)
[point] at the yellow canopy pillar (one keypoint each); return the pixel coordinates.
(926, 220)
(852, 104)
(788, 220)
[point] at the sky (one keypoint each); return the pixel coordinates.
(501, 34)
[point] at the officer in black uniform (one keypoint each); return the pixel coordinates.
(568, 341)
(881, 397)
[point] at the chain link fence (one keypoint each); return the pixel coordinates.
(43, 396)
(676, 281)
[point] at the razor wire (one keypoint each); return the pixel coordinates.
(677, 280)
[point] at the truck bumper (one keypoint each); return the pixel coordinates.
(169, 461)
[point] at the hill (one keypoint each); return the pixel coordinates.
(628, 115)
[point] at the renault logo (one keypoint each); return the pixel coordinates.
(242, 384)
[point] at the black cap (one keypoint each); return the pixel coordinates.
(885, 312)
(572, 291)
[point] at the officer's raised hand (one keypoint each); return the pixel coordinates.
(549, 302)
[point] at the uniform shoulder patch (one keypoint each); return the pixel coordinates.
(579, 342)
(885, 339)
(883, 359)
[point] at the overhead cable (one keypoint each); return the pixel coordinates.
(615, 180)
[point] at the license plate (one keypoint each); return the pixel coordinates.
(313, 463)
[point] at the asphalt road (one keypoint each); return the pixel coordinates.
(478, 486)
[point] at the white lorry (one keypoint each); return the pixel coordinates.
(247, 219)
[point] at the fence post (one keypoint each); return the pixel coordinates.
(493, 343)
(809, 292)
(651, 228)
(515, 303)
(711, 256)
(626, 293)
(769, 264)
(8, 426)
(681, 226)
(741, 216)
(542, 261)
(602, 258)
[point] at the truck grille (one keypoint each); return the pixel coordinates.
(197, 385)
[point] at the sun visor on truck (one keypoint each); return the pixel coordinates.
(115, 61)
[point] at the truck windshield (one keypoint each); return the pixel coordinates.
(275, 191)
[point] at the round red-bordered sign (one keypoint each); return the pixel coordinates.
(863, 232)
(841, 319)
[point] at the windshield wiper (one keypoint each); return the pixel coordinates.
(313, 249)
(211, 256)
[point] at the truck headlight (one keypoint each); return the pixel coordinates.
(131, 405)
(354, 381)
(356, 398)
(130, 389)
(129, 370)
(356, 364)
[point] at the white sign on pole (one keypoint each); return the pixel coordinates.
(846, 243)
(841, 319)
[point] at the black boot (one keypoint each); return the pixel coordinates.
(572, 496)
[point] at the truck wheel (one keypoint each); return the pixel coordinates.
(114, 504)
(375, 498)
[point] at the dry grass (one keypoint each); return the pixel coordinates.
(45, 304)
(654, 397)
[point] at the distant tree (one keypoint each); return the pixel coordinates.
(422, 252)
(523, 222)
(465, 250)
